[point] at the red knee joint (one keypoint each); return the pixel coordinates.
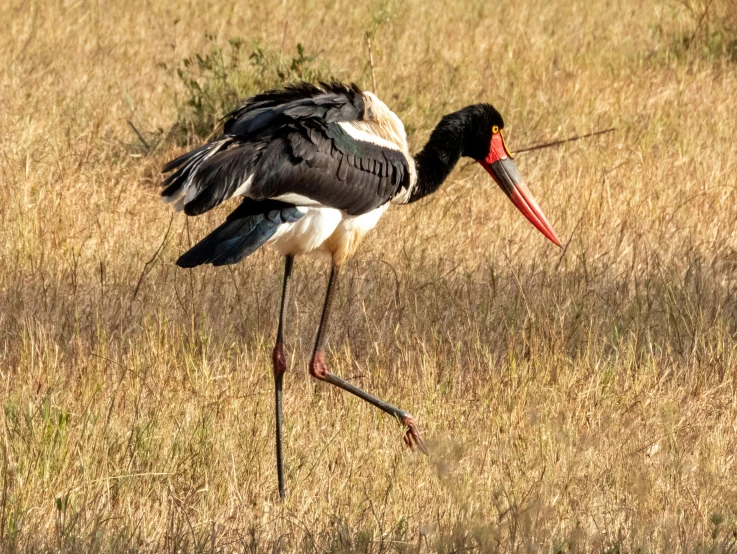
(280, 361)
(318, 369)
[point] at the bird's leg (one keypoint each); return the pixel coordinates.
(319, 370)
(280, 367)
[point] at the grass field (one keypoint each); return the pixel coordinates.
(575, 400)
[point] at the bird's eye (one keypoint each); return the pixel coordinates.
(495, 129)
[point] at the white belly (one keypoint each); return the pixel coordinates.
(348, 234)
(324, 229)
(307, 234)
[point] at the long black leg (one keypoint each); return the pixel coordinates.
(280, 367)
(319, 370)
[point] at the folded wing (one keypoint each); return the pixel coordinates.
(295, 145)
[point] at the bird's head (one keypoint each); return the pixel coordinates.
(484, 142)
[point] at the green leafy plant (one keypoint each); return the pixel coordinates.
(216, 80)
(711, 30)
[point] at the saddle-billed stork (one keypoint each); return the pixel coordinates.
(316, 167)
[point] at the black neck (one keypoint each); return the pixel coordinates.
(439, 156)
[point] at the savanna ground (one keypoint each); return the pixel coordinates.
(575, 400)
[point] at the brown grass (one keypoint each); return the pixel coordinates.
(582, 400)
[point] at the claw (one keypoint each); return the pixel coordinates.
(412, 437)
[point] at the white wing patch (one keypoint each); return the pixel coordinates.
(243, 189)
(359, 131)
(298, 200)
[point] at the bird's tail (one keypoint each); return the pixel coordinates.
(244, 232)
(179, 187)
(209, 175)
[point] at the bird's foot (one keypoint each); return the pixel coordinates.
(412, 437)
(279, 360)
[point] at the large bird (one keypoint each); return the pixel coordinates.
(316, 166)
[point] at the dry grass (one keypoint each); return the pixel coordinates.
(574, 401)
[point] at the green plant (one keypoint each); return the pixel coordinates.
(711, 29)
(216, 80)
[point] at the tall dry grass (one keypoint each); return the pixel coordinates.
(581, 400)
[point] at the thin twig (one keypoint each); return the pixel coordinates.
(563, 141)
(284, 36)
(148, 265)
(139, 135)
(6, 480)
(371, 65)
(701, 20)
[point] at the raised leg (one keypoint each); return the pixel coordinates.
(319, 370)
(280, 367)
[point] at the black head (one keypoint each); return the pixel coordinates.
(480, 122)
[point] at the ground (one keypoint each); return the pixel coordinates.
(581, 399)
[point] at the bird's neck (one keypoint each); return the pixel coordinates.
(439, 156)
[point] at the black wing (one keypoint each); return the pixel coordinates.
(245, 230)
(289, 142)
(270, 110)
(324, 163)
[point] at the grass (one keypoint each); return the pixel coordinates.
(580, 400)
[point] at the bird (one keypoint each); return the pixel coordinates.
(315, 167)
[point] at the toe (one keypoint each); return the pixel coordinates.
(412, 437)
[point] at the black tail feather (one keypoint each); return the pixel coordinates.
(219, 176)
(185, 168)
(230, 243)
(176, 162)
(244, 232)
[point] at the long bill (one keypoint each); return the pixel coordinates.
(500, 166)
